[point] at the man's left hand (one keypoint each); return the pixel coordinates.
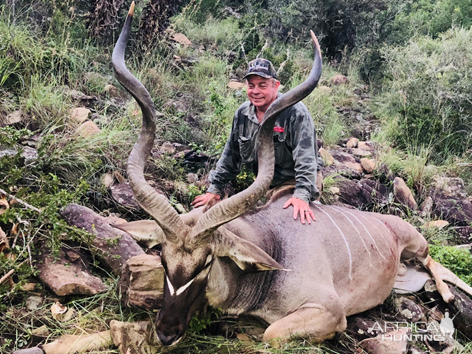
(302, 208)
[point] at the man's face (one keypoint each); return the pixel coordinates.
(261, 91)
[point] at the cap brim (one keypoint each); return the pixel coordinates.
(264, 75)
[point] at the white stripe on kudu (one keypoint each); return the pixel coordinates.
(357, 230)
(365, 228)
(344, 238)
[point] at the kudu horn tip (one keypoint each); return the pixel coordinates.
(315, 41)
(131, 9)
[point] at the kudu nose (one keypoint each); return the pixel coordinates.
(167, 339)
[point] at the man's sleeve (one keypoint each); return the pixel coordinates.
(229, 164)
(304, 155)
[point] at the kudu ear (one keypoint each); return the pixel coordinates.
(244, 253)
(147, 232)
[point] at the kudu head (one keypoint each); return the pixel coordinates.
(191, 242)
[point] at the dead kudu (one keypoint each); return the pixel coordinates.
(237, 257)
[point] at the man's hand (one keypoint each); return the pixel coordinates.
(204, 199)
(302, 208)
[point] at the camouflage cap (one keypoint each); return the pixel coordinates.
(261, 67)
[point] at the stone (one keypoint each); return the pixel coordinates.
(234, 85)
(409, 310)
(394, 342)
(12, 118)
(360, 152)
(141, 283)
(65, 276)
(352, 143)
(338, 80)
(368, 165)
(403, 194)
(343, 159)
(181, 39)
(114, 246)
(427, 206)
(456, 211)
(448, 187)
(87, 129)
(133, 337)
(113, 91)
(79, 115)
(34, 302)
(328, 159)
(167, 148)
(123, 195)
(373, 192)
(364, 145)
(438, 224)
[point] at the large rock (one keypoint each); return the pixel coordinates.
(114, 246)
(142, 282)
(67, 274)
(403, 194)
(394, 342)
(133, 337)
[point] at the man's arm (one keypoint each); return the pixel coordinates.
(303, 140)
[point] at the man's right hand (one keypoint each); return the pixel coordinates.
(205, 199)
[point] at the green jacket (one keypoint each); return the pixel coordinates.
(296, 151)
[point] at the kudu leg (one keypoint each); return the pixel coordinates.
(311, 320)
(418, 246)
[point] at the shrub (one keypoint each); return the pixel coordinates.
(426, 103)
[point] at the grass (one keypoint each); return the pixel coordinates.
(36, 69)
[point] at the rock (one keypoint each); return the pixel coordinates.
(65, 276)
(34, 302)
(338, 80)
(446, 187)
(368, 165)
(403, 194)
(365, 145)
(123, 195)
(457, 212)
(427, 206)
(113, 91)
(373, 192)
(115, 246)
(142, 282)
(181, 39)
(409, 310)
(78, 344)
(352, 143)
(328, 159)
(360, 152)
(79, 115)
(167, 148)
(364, 328)
(342, 159)
(394, 342)
(349, 191)
(132, 337)
(438, 224)
(12, 118)
(87, 129)
(234, 85)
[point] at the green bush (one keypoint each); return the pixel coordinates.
(425, 103)
(459, 261)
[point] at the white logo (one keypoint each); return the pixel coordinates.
(400, 331)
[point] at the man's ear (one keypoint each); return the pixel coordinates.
(244, 253)
(146, 232)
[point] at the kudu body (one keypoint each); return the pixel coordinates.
(301, 279)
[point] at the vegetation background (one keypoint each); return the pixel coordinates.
(413, 57)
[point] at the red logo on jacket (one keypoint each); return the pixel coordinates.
(279, 129)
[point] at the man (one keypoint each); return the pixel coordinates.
(296, 152)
